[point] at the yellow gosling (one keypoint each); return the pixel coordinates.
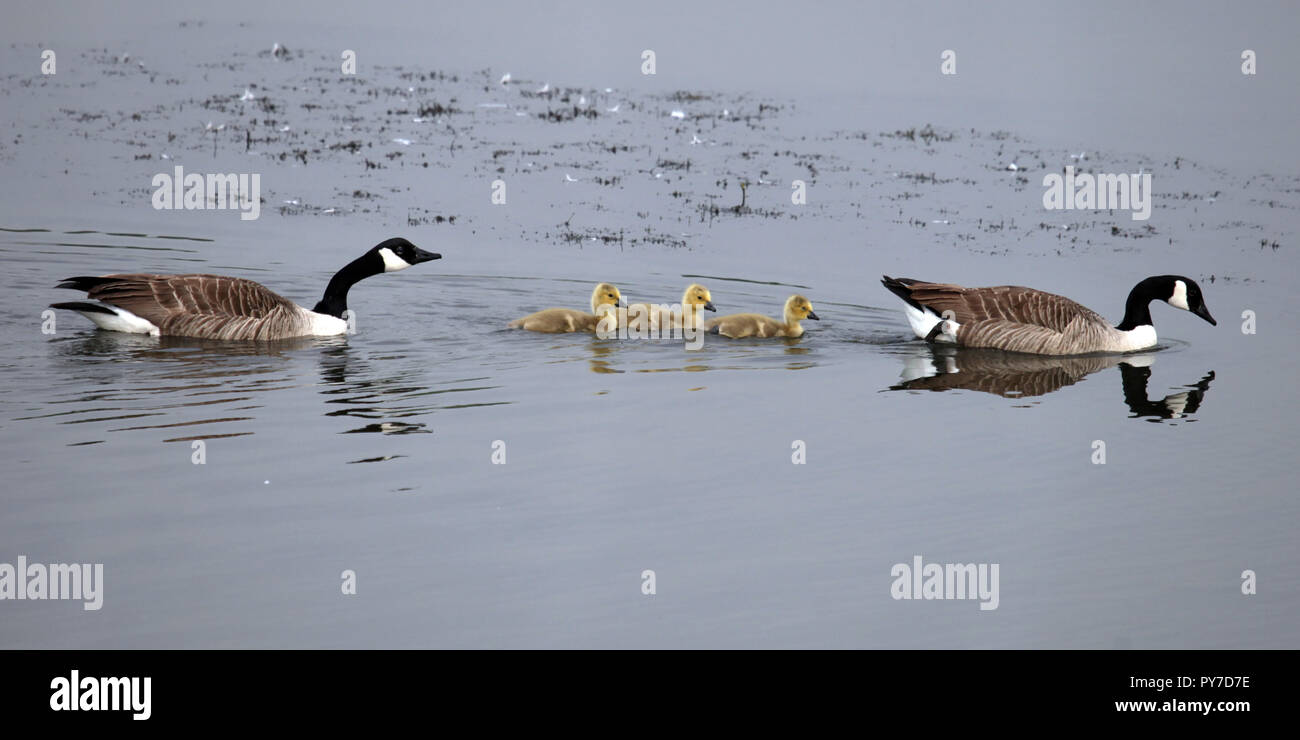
(797, 308)
(604, 298)
(660, 314)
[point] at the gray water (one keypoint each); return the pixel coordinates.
(374, 452)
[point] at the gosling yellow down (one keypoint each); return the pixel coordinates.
(604, 298)
(797, 308)
(661, 314)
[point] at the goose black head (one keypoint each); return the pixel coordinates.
(1184, 293)
(389, 255)
(1176, 290)
(399, 254)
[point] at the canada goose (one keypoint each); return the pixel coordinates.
(561, 320)
(220, 307)
(1019, 319)
(737, 325)
(661, 314)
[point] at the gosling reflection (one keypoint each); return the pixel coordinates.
(602, 355)
(1013, 375)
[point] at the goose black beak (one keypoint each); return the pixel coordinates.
(813, 316)
(708, 306)
(1204, 313)
(423, 256)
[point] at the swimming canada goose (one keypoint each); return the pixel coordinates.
(220, 307)
(737, 325)
(661, 314)
(1019, 319)
(604, 297)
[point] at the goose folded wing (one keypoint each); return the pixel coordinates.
(161, 298)
(1012, 303)
(1011, 336)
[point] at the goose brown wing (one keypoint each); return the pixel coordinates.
(1008, 303)
(199, 305)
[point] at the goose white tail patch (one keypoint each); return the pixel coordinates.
(392, 263)
(924, 321)
(1179, 298)
(121, 320)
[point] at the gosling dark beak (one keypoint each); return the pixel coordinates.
(1204, 313)
(423, 256)
(813, 316)
(708, 306)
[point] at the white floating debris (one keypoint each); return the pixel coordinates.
(582, 101)
(283, 129)
(614, 109)
(329, 210)
(696, 140)
(505, 78)
(248, 95)
(725, 113)
(1013, 167)
(609, 90)
(679, 114)
(1079, 157)
(165, 156)
(544, 89)
(403, 142)
(294, 202)
(940, 221)
(568, 178)
(417, 119)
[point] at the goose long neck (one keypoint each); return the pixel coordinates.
(335, 300)
(1137, 309)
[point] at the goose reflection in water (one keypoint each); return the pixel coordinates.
(183, 388)
(1013, 375)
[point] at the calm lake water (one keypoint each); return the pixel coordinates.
(374, 452)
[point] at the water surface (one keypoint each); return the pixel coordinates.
(374, 452)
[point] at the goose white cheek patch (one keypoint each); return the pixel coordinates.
(1179, 298)
(392, 263)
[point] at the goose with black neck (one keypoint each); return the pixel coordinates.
(221, 307)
